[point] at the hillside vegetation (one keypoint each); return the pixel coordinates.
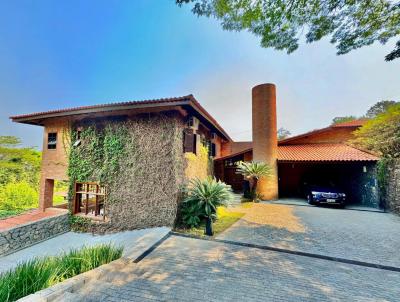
(19, 176)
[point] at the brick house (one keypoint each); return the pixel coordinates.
(294, 160)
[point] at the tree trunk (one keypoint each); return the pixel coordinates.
(254, 189)
(209, 227)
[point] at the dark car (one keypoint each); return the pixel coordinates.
(326, 195)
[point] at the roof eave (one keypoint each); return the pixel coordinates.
(39, 117)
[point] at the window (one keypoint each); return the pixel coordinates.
(78, 138)
(213, 150)
(52, 140)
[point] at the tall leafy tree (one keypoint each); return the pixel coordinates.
(9, 141)
(18, 164)
(280, 24)
(378, 108)
(381, 134)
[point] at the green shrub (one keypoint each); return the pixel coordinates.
(8, 213)
(203, 198)
(253, 171)
(79, 223)
(39, 273)
(18, 196)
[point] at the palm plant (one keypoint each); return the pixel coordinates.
(203, 198)
(253, 171)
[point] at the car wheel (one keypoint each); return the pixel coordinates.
(310, 200)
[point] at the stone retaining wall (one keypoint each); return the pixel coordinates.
(28, 234)
(393, 187)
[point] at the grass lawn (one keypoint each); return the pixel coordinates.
(225, 219)
(8, 213)
(57, 200)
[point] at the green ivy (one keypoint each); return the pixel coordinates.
(96, 158)
(79, 224)
(382, 173)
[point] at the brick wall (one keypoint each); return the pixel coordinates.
(54, 161)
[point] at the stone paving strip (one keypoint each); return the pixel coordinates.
(186, 269)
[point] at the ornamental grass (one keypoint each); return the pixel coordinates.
(42, 272)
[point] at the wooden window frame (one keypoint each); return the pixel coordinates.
(84, 189)
(52, 142)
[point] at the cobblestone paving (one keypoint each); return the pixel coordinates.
(357, 235)
(183, 269)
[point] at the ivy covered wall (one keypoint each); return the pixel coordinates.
(390, 184)
(141, 162)
(198, 165)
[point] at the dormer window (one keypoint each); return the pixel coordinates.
(52, 140)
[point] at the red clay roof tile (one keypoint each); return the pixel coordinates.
(323, 152)
(316, 153)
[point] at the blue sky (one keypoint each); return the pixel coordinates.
(57, 54)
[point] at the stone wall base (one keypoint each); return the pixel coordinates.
(392, 197)
(28, 234)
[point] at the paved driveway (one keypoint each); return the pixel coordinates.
(358, 235)
(183, 269)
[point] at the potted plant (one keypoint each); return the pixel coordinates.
(203, 198)
(253, 171)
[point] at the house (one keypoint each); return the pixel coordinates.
(319, 156)
(127, 162)
(138, 154)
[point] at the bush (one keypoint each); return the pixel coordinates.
(203, 198)
(253, 171)
(39, 273)
(18, 196)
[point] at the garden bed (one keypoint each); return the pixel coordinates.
(226, 218)
(40, 273)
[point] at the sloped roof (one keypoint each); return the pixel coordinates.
(317, 153)
(352, 124)
(188, 100)
(323, 152)
(92, 108)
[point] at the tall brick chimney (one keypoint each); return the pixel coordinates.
(265, 141)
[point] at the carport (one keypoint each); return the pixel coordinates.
(304, 165)
(356, 179)
(333, 165)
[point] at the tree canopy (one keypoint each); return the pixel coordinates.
(379, 108)
(18, 164)
(283, 133)
(281, 24)
(342, 119)
(9, 141)
(382, 133)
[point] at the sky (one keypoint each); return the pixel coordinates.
(60, 54)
